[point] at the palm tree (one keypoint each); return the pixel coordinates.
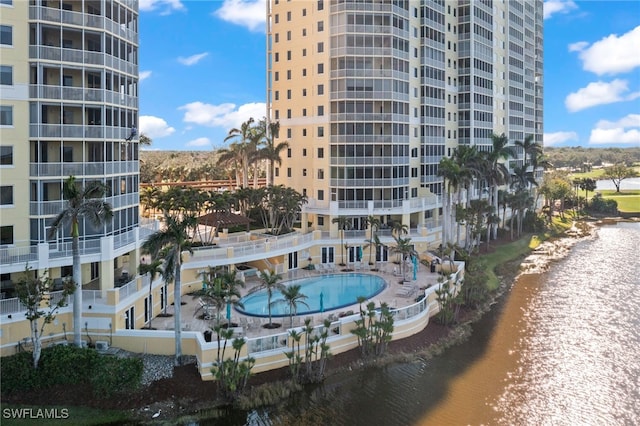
(450, 171)
(230, 284)
(171, 241)
(272, 151)
(405, 249)
(399, 229)
(498, 174)
(343, 224)
(245, 146)
(468, 160)
(144, 140)
(293, 298)
(154, 269)
(270, 282)
(231, 156)
(530, 148)
(81, 203)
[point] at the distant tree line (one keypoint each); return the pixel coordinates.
(577, 157)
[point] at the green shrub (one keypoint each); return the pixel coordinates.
(69, 365)
(113, 375)
(62, 365)
(18, 373)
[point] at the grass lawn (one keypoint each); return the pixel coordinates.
(593, 174)
(628, 199)
(522, 246)
(52, 415)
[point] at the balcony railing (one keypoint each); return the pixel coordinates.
(13, 305)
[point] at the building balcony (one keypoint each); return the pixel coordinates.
(371, 207)
(62, 170)
(49, 208)
(65, 93)
(79, 131)
(369, 183)
(54, 53)
(45, 255)
(99, 22)
(369, 161)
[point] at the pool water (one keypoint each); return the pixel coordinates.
(337, 290)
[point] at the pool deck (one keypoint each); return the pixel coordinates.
(395, 295)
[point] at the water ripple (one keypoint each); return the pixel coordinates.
(579, 357)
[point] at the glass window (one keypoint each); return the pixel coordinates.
(6, 195)
(6, 2)
(6, 35)
(6, 115)
(320, 26)
(6, 155)
(6, 235)
(6, 75)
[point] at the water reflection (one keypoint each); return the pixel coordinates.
(561, 349)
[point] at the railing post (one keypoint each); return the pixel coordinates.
(43, 255)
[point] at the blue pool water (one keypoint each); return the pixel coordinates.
(338, 291)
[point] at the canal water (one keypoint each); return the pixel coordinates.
(560, 348)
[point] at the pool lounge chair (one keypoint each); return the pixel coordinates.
(406, 290)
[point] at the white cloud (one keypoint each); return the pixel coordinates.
(578, 47)
(199, 142)
(246, 13)
(167, 6)
(193, 59)
(599, 93)
(155, 127)
(559, 137)
(624, 131)
(552, 7)
(226, 116)
(144, 75)
(612, 54)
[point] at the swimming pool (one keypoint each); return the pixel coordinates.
(335, 290)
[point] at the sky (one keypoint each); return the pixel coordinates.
(202, 71)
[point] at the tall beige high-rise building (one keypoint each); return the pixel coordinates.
(371, 95)
(68, 107)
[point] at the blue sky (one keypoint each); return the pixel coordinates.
(202, 71)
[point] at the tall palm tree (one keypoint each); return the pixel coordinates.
(343, 224)
(530, 148)
(231, 157)
(450, 171)
(245, 146)
(154, 269)
(468, 160)
(293, 298)
(81, 203)
(497, 172)
(270, 282)
(171, 241)
(272, 151)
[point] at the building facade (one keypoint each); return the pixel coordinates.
(69, 107)
(371, 95)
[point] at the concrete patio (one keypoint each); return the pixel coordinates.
(395, 294)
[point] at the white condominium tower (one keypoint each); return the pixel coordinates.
(68, 104)
(370, 95)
